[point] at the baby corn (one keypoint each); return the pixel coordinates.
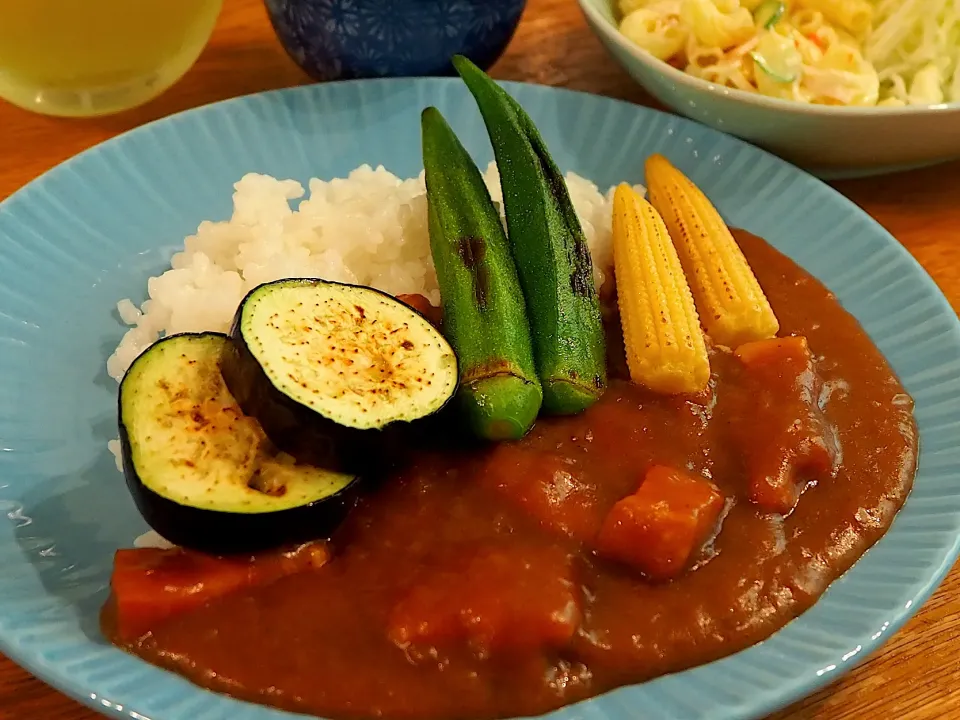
(731, 302)
(662, 336)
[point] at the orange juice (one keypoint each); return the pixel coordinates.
(91, 57)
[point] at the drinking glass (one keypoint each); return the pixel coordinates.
(94, 57)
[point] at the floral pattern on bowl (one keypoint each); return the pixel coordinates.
(347, 39)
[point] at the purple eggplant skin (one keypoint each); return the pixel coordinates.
(304, 433)
(224, 533)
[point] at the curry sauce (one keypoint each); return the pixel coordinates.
(470, 586)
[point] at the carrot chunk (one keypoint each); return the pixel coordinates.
(424, 307)
(790, 443)
(658, 529)
(150, 585)
(503, 599)
(761, 353)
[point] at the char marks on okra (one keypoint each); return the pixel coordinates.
(551, 253)
(485, 318)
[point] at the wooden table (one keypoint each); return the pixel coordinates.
(913, 676)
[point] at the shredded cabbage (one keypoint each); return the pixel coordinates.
(915, 47)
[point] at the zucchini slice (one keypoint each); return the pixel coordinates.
(203, 474)
(327, 368)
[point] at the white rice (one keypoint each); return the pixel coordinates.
(369, 228)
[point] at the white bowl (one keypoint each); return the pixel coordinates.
(830, 141)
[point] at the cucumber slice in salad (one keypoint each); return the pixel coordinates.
(769, 13)
(777, 57)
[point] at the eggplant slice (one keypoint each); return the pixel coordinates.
(333, 371)
(202, 473)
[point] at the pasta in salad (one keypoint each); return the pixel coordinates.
(831, 52)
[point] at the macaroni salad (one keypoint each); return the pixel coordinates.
(831, 52)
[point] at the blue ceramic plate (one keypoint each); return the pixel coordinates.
(91, 231)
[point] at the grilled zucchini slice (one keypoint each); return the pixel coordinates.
(331, 371)
(202, 473)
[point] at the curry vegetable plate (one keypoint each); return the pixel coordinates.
(94, 229)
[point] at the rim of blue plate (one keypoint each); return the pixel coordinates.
(791, 688)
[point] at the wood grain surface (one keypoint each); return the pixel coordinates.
(916, 676)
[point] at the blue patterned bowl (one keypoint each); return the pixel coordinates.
(345, 39)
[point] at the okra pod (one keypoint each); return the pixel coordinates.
(550, 251)
(484, 315)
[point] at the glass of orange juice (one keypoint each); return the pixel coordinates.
(94, 57)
